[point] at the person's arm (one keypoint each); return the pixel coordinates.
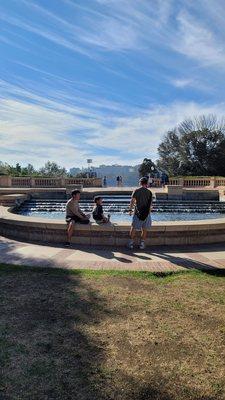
(84, 216)
(132, 202)
(78, 212)
(151, 204)
(67, 210)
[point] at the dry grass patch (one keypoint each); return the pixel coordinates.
(96, 335)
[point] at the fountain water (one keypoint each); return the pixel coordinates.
(117, 206)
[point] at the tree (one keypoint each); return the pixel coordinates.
(52, 169)
(147, 167)
(29, 170)
(18, 168)
(195, 147)
(14, 171)
(81, 175)
(4, 168)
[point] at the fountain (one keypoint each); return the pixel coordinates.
(117, 206)
(38, 218)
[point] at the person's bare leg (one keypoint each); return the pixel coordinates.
(70, 231)
(132, 233)
(132, 237)
(144, 233)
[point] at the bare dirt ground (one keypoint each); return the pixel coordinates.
(113, 335)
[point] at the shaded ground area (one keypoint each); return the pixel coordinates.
(94, 335)
(153, 259)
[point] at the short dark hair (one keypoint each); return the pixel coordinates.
(75, 192)
(144, 180)
(97, 198)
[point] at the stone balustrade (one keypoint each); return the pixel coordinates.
(47, 182)
(198, 182)
(195, 182)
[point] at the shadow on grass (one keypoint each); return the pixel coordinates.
(51, 342)
(48, 350)
(190, 264)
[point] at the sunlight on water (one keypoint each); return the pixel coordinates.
(117, 206)
(121, 217)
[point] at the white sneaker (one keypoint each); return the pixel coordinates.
(142, 245)
(130, 245)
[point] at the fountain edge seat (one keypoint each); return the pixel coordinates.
(6, 215)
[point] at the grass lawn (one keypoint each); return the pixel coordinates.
(111, 335)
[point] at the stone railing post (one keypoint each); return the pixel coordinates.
(5, 181)
(212, 182)
(181, 182)
(32, 182)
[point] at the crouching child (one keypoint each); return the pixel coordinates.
(98, 214)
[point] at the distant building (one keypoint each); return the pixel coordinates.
(129, 173)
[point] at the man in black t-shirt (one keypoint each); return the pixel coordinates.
(141, 200)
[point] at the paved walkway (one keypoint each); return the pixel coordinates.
(155, 259)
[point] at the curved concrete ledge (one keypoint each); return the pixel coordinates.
(171, 233)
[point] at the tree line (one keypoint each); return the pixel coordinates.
(196, 147)
(50, 169)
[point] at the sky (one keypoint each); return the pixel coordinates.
(105, 79)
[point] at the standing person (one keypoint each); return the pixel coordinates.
(163, 179)
(118, 181)
(167, 179)
(104, 181)
(74, 214)
(150, 181)
(142, 200)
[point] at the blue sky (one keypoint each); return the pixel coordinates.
(105, 79)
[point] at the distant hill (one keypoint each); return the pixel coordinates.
(129, 173)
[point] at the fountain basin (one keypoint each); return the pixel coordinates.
(44, 230)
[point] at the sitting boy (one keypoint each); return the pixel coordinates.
(97, 213)
(74, 214)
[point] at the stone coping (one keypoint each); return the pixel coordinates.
(170, 233)
(13, 196)
(6, 214)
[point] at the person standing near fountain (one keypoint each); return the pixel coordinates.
(142, 201)
(74, 214)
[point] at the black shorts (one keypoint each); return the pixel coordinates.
(99, 221)
(77, 220)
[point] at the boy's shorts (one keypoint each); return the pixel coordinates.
(99, 221)
(138, 224)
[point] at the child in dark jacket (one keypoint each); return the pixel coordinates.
(97, 213)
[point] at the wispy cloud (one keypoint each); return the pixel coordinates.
(105, 78)
(182, 83)
(51, 130)
(141, 133)
(198, 42)
(40, 30)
